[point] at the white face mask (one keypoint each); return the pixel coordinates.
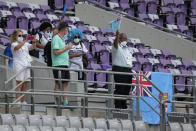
(20, 39)
(48, 34)
(124, 43)
(77, 40)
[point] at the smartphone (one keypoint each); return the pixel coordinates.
(30, 37)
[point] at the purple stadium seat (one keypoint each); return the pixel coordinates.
(3, 6)
(144, 17)
(130, 11)
(58, 4)
(45, 7)
(42, 18)
(8, 32)
(106, 33)
(189, 65)
(152, 7)
(146, 53)
(103, 40)
(162, 70)
(24, 7)
(38, 11)
(188, 80)
(15, 9)
(35, 25)
(106, 66)
(141, 7)
(124, 4)
(192, 21)
(193, 4)
(70, 4)
(166, 63)
(146, 65)
(169, 55)
(4, 41)
(105, 57)
(22, 21)
(136, 66)
(169, 3)
(180, 18)
(85, 30)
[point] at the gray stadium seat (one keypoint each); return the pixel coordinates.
(45, 128)
(21, 119)
(124, 130)
(7, 119)
(71, 129)
(127, 125)
(18, 128)
(88, 123)
(139, 126)
(35, 120)
(62, 121)
(5, 128)
(84, 129)
(187, 127)
(75, 122)
(48, 120)
(100, 123)
(98, 130)
(58, 129)
(32, 128)
(114, 124)
(111, 130)
(175, 127)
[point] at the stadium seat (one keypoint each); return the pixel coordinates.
(58, 129)
(18, 128)
(126, 125)
(187, 127)
(32, 128)
(7, 119)
(45, 128)
(175, 127)
(21, 119)
(88, 123)
(139, 126)
(5, 128)
(71, 129)
(75, 122)
(98, 130)
(100, 123)
(35, 120)
(84, 129)
(114, 124)
(61, 121)
(48, 120)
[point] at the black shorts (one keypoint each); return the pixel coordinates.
(64, 74)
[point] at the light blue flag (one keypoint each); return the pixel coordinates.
(114, 24)
(164, 82)
(64, 11)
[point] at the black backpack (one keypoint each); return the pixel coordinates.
(47, 54)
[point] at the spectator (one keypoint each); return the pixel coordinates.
(78, 50)
(60, 57)
(8, 53)
(121, 62)
(43, 37)
(21, 59)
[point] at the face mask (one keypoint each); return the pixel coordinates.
(124, 43)
(48, 34)
(77, 40)
(20, 39)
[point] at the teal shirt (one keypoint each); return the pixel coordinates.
(61, 59)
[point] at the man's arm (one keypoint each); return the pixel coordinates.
(116, 40)
(59, 51)
(74, 55)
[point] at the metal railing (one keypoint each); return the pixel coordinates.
(138, 20)
(109, 97)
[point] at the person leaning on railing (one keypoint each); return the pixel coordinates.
(121, 62)
(21, 59)
(60, 57)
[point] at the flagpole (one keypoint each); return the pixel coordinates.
(120, 20)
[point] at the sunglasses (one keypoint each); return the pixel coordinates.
(77, 36)
(19, 35)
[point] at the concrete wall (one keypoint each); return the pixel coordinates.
(40, 2)
(155, 38)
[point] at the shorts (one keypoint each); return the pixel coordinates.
(64, 74)
(23, 76)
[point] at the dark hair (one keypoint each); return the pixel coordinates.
(63, 25)
(45, 25)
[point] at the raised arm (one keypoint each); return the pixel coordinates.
(116, 40)
(20, 45)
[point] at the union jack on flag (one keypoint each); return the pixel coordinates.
(143, 82)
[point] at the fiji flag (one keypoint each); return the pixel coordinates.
(64, 11)
(114, 24)
(164, 82)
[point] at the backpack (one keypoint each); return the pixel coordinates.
(84, 58)
(47, 54)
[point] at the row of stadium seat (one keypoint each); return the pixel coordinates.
(182, 127)
(70, 122)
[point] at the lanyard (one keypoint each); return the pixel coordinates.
(60, 37)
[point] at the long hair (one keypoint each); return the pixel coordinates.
(14, 35)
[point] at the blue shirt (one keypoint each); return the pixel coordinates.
(8, 53)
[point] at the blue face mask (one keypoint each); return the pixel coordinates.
(20, 39)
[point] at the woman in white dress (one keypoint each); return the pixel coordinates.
(21, 59)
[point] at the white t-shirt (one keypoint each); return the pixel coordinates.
(21, 56)
(79, 50)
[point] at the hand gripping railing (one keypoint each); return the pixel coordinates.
(137, 19)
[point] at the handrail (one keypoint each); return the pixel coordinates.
(137, 19)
